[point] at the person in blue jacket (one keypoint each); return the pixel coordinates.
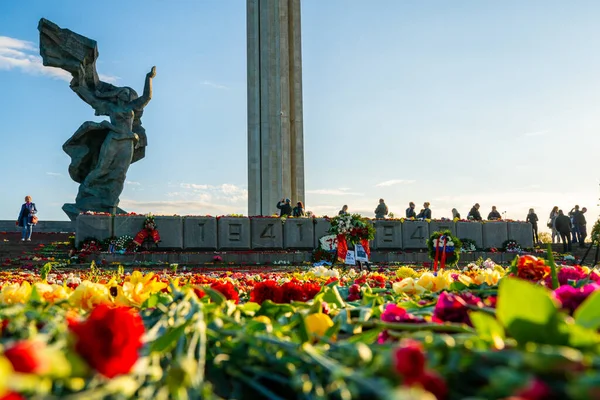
(25, 219)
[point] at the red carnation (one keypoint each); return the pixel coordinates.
(26, 357)
(311, 290)
(109, 339)
(226, 289)
(12, 396)
(291, 291)
(409, 359)
(266, 290)
(434, 384)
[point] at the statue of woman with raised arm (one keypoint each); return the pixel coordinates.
(100, 152)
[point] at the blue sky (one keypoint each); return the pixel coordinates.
(448, 102)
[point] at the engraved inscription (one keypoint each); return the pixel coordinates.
(300, 232)
(235, 232)
(201, 225)
(268, 233)
(388, 234)
(417, 233)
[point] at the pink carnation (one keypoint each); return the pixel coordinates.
(570, 298)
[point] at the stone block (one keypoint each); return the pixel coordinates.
(129, 225)
(321, 229)
(93, 226)
(522, 232)
(200, 233)
(470, 230)
(415, 234)
(440, 226)
(299, 233)
(266, 233)
(494, 234)
(171, 231)
(233, 233)
(508, 257)
(388, 235)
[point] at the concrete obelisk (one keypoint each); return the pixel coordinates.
(275, 137)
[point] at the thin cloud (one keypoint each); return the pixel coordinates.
(392, 182)
(536, 133)
(214, 85)
(334, 192)
(108, 78)
(133, 183)
(53, 174)
(225, 192)
(17, 54)
(180, 207)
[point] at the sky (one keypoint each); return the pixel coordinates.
(448, 102)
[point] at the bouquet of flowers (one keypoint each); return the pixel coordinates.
(351, 228)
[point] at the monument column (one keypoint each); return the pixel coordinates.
(275, 132)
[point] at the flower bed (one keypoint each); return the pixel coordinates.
(483, 331)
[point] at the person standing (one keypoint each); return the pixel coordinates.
(285, 208)
(474, 214)
(425, 213)
(382, 210)
(563, 226)
(494, 215)
(532, 218)
(25, 219)
(574, 215)
(410, 211)
(455, 214)
(552, 224)
(298, 211)
(344, 210)
(581, 227)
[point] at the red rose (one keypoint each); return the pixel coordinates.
(266, 290)
(226, 289)
(409, 359)
(26, 357)
(109, 339)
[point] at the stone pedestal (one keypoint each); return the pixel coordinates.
(388, 235)
(494, 234)
(170, 229)
(522, 232)
(233, 233)
(200, 233)
(129, 225)
(99, 227)
(440, 226)
(415, 234)
(299, 233)
(470, 230)
(266, 233)
(322, 227)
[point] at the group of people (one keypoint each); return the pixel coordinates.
(285, 209)
(475, 215)
(569, 228)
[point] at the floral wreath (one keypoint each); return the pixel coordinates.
(150, 220)
(351, 228)
(468, 245)
(511, 246)
(596, 232)
(444, 248)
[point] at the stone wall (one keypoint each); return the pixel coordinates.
(265, 233)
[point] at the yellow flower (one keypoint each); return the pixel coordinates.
(88, 295)
(5, 372)
(492, 277)
(148, 282)
(407, 286)
(51, 293)
(433, 283)
(262, 318)
(406, 272)
(466, 280)
(15, 293)
(317, 324)
(138, 289)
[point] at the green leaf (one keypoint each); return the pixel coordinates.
(588, 313)
(249, 308)
(163, 343)
(301, 329)
(332, 296)
(528, 312)
(488, 328)
(552, 265)
(368, 337)
(274, 310)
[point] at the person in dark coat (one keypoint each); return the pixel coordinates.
(581, 226)
(574, 215)
(344, 210)
(563, 226)
(285, 207)
(494, 215)
(532, 218)
(474, 214)
(382, 210)
(25, 219)
(298, 211)
(410, 211)
(425, 213)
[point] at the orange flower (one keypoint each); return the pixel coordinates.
(532, 268)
